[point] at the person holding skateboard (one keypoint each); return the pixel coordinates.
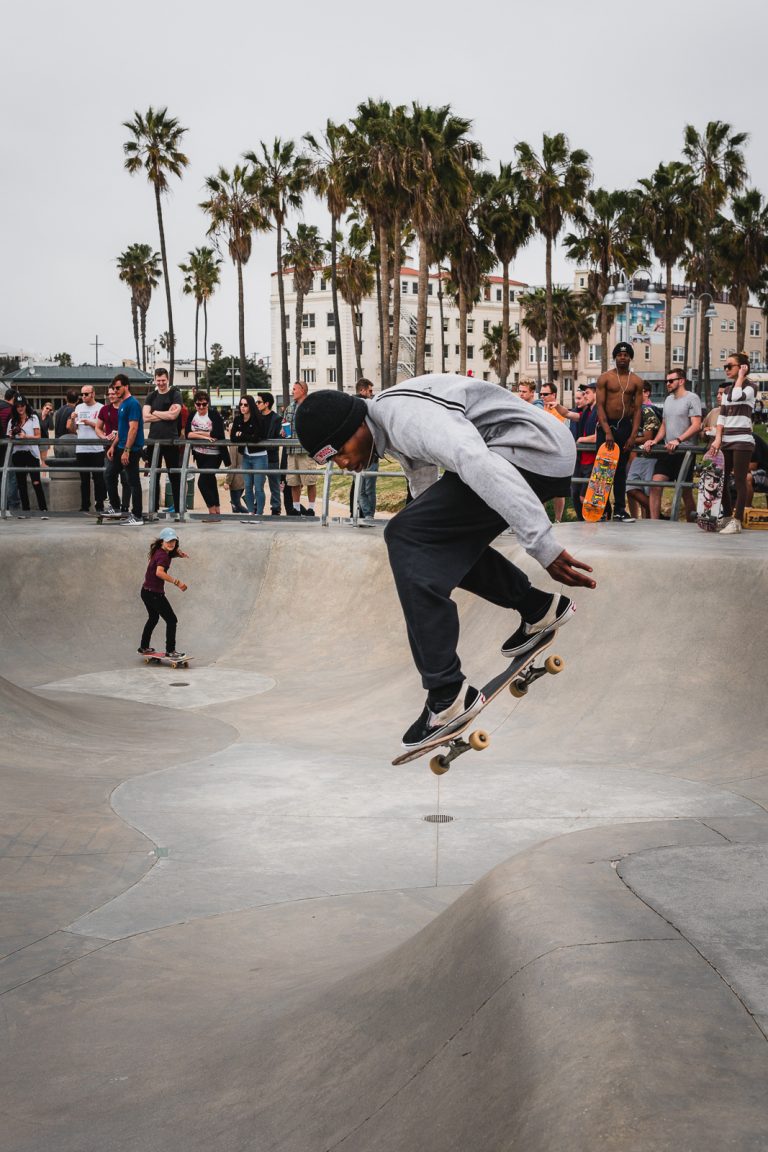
(502, 459)
(619, 406)
(161, 552)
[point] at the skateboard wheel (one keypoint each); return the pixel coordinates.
(174, 664)
(479, 740)
(554, 664)
(438, 765)
(518, 690)
(147, 660)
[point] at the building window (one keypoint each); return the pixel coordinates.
(446, 351)
(445, 325)
(723, 352)
(486, 326)
(723, 325)
(647, 352)
(359, 319)
(308, 320)
(330, 320)
(678, 354)
(403, 287)
(731, 325)
(499, 294)
(755, 359)
(414, 287)
(308, 348)
(309, 375)
(427, 349)
(595, 354)
(542, 354)
(754, 328)
(582, 282)
(331, 375)
(516, 329)
(457, 349)
(511, 295)
(331, 347)
(470, 351)
(429, 289)
(470, 325)
(429, 323)
(678, 324)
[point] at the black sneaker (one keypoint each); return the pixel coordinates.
(305, 511)
(175, 655)
(431, 724)
(144, 651)
(623, 518)
(528, 634)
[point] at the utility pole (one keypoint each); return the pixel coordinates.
(95, 344)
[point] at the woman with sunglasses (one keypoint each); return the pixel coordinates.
(248, 428)
(24, 429)
(203, 429)
(734, 435)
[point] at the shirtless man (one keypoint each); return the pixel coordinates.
(619, 407)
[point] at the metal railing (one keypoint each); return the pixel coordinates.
(187, 471)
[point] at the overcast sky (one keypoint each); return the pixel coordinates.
(620, 80)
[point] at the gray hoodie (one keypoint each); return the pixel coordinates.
(479, 431)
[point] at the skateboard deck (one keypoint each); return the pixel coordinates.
(109, 518)
(600, 482)
(711, 471)
(518, 675)
(164, 658)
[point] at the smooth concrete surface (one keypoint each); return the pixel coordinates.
(226, 923)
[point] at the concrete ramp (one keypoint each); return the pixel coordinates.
(229, 923)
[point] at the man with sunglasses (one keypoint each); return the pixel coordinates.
(89, 452)
(680, 424)
(124, 453)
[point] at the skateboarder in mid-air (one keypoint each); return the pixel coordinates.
(502, 458)
(161, 552)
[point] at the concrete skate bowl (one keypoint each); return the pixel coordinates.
(229, 924)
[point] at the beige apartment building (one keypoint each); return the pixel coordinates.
(640, 322)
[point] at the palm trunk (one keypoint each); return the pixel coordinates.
(668, 321)
(384, 303)
(442, 317)
(504, 342)
(284, 367)
(197, 326)
(462, 330)
(135, 318)
(382, 362)
(171, 340)
(336, 318)
(205, 339)
(550, 314)
(143, 312)
(298, 329)
(538, 362)
(241, 329)
(421, 308)
(358, 343)
(394, 351)
(742, 302)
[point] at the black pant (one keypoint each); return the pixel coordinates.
(114, 469)
(28, 460)
(167, 454)
(622, 430)
(156, 604)
(206, 481)
(577, 490)
(440, 541)
(94, 462)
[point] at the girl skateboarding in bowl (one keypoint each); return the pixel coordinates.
(161, 552)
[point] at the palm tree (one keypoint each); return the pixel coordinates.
(557, 184)
(201, 275)
(506, 219)
(741, 248)
(356, 283)
(329, 180)
(437, 161)
(471, 259)
(140, 269)
(283, 175)
(235, 209)
(717, 159)
(574, 322)
(496, 349)
(666, 219)
(534, 311)
(303, 255)
(607, 237)
(154, 147)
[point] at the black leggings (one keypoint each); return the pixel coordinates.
(736, 465)
(156, 604)
(207, 481)
(26, 460)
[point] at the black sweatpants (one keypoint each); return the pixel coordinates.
(156, 604)
(94, 462)
(168, 454)
(439, 542)
(622, 430)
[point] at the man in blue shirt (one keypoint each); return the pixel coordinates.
(124, 455)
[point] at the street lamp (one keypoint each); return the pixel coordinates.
(691, 311)
(233, 373)
(621, 295)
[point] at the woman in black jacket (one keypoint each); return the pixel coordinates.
(203, 428)
(248, 429)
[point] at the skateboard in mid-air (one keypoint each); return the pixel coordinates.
(600, 482)
(518, 676)
(163, 658)
(708, 506)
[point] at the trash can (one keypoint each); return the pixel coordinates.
(190, 500)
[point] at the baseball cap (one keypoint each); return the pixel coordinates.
(168, 534)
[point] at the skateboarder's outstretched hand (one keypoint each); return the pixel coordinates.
(563, 569)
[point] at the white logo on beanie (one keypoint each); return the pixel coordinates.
(324, 454)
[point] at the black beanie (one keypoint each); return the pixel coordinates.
(624, 347)
(326, 420)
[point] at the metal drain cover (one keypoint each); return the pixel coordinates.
(179, 684)
(438, 818)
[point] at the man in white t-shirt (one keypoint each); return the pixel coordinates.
(89, 449)
(680, 424)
